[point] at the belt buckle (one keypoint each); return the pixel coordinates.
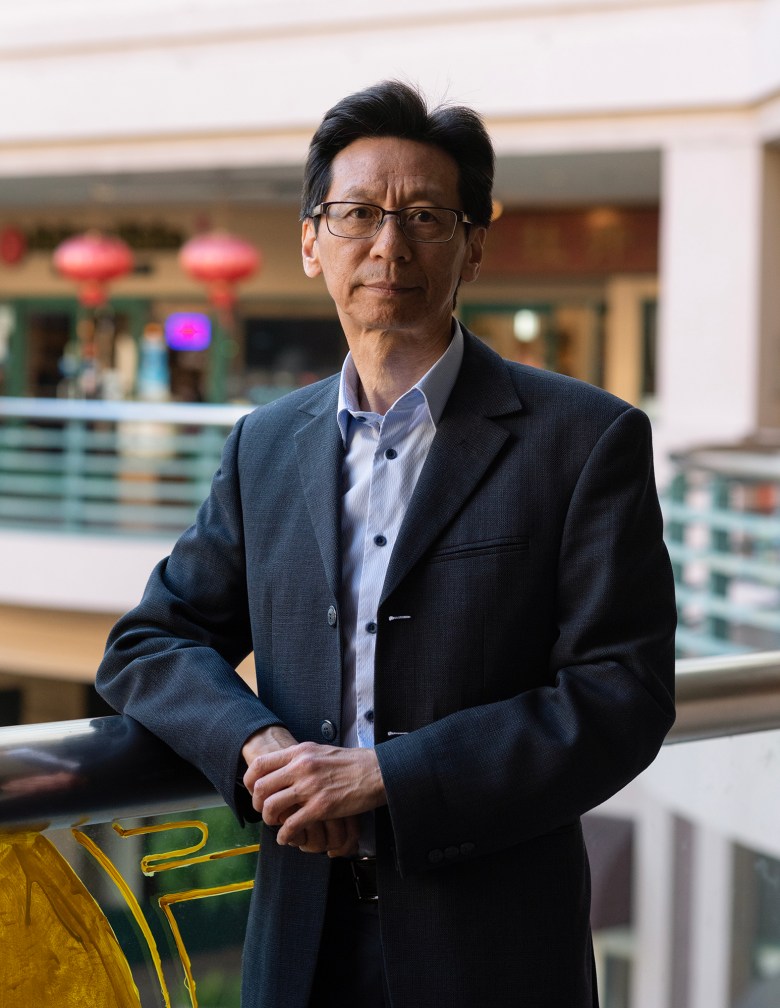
(364, 877)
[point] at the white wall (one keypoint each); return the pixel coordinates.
(91, 76)
(73, 572)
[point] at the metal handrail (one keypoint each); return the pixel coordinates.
(93, 770)
(99, 769)
(728, 695)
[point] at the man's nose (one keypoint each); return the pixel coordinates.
(390, 240)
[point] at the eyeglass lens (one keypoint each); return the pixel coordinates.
(362, 220)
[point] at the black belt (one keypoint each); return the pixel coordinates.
(364, 877)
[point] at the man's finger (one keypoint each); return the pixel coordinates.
(278, 807)
(265, 764)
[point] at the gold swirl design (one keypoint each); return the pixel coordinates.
(152, 864)
(58, 947)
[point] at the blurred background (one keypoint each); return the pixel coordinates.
(151, 292)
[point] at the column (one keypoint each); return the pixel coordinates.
(711, 203)
(712, 917)
(769, 370)
(653, 879)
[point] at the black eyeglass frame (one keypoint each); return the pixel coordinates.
(321, 210)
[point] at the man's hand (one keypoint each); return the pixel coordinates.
(302, 787)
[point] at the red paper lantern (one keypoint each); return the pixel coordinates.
(13, 245)
(91, 260)
(219, 260)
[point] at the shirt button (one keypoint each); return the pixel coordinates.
(379, 540)
(371, 627)
(451, 853)
(328, 731)
(391, 453)
(369, 716)
(332, 616)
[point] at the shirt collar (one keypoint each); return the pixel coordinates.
(435, 385)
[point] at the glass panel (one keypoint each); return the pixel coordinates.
(686, 879)
(686, 889)
(175, 900)
(723, 533)
(135, 475)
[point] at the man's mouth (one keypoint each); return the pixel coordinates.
(390, 289)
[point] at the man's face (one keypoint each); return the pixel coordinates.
(388, 284)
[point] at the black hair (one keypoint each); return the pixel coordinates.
(394, 109)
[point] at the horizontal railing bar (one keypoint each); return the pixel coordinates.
(20, 462)
(735, 566)
(97, 409)
(715, 606)
(703, 644)
(96, 770)
(116, 517)
(99, 488)
(17, 442)
(30, 437)
(760, 467)
(760, 526)
(31, 509)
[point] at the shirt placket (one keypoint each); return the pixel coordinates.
(383, 521)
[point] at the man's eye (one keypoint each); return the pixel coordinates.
(361, 213)
(421, 215)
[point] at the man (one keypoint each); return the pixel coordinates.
(451, 573)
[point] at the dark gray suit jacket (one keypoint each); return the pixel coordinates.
(533, 679)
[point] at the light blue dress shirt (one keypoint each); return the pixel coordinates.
(384, 458)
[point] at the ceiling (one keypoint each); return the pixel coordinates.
(625, 177)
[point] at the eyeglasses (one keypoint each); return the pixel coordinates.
(363, 220)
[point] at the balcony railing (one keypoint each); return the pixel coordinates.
(170, 885)
(142, 469)
(722, 515)
(107, 467)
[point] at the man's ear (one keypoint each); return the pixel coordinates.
(472, 256)
(309, 249)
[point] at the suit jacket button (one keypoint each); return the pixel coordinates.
(451, 853)
(328, 731)
(332, 616)
(466, 849)
(436, 856)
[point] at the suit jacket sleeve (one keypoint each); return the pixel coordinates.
(170, 662)
(483, 779)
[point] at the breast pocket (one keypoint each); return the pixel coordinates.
(495, 546)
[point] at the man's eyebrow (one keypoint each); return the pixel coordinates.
(362, 196)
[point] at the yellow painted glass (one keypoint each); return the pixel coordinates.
(57, 946)
(163, 861)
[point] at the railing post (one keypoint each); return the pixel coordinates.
(675, 530)
(73, 472)
(720, 494)
(210, 441)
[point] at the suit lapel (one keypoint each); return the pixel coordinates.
(320, 454)
(466, 442)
